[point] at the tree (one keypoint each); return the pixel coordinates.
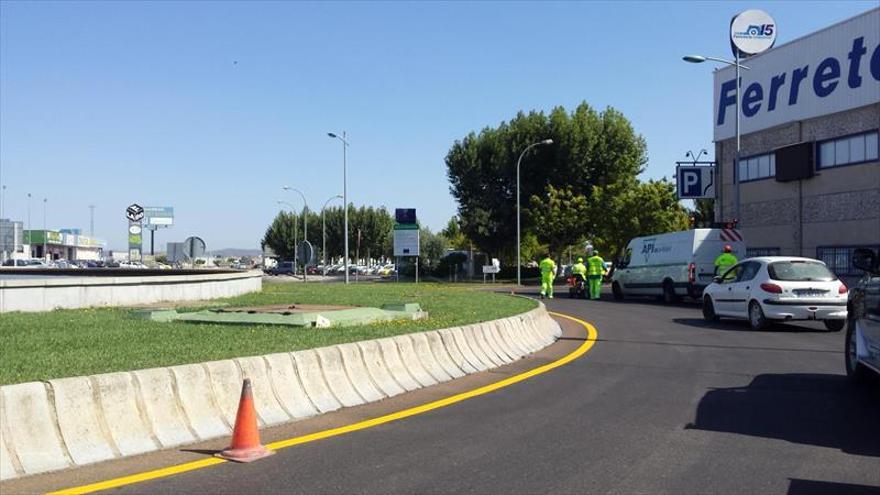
(704, 211)
(562, 216)
(454, 235)
(590, 149)
(279, 235)
(634, 210)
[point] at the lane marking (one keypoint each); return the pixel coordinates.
(588, 343)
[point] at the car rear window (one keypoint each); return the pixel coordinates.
(800, 271)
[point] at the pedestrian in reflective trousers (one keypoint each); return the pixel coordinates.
(548, 273)
(595, 271)
(725, 261)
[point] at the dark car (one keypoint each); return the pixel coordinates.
(863, 318)
(282, 268)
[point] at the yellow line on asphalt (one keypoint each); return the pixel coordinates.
(592, 334)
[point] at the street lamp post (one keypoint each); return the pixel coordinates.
(518, 240)
(324, 234)
(344, 198)
(698, 59)
(295, 240)
(45, 234)
(29, 224)
(305, 210)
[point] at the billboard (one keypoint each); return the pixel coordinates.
(158, 217)
(406, 240)
(829, 71)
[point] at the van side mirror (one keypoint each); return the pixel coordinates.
(717, 280)
(619, 263)
(865, 259)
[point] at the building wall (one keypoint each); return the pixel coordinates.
(838, 207)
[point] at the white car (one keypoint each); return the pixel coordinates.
(777, 288)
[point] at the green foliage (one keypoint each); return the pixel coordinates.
(375, 224)
(561, 218)
(454, 235)
(589, 149)
(55, 344)
(628, 211)
(704, 211)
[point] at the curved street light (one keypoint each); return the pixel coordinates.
(518, 240)
(305, 210)
(295, 239)
(324, 233)
(699, 59)
(344, 197)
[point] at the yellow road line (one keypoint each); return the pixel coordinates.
(406, 413)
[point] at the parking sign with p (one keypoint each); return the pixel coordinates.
(695, 182)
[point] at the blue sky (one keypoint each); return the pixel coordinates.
(210, 107)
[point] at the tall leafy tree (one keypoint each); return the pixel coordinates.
(562, 216)
(590, 149)
(635, 210)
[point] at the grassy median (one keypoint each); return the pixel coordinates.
(40, 346)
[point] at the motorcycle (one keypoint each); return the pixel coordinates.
(577, 287)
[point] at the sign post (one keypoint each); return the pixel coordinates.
(135, 215)
(406, 237)
(156, 217)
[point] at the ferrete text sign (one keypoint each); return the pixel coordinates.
(695, 182)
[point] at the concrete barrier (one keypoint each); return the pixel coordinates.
(395, 365)
(30, 428)
(196, 399)
(379, 369)
(82, 420)
(309, 370)
(84, 432)
(48, 293)
(126, 423)
(264, 395)
(166, 419)
(356, 370)
(288, 388)
(427, 358)
(338, 381)
(412, 362)
(441, 353)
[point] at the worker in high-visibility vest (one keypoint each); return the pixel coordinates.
(548, 273)
(595, 271)
(725, 261)
(579, 268)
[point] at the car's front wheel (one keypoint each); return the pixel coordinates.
(756, 316)
(834, 325)
(617, 291)
(854, 370)
(709, 310)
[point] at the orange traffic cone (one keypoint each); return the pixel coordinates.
(246, 445)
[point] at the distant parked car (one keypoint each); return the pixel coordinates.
(282, 268)
(862, 347)
(777, 288)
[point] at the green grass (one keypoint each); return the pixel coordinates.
(40, 346)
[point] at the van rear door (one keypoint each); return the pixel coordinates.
(708, 244)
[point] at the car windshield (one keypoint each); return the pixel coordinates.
(805, 271)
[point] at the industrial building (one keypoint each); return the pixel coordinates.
(809, 172)
(67, 244)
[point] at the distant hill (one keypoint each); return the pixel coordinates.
(234, 252)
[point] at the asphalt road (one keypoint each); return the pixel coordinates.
(662, 403)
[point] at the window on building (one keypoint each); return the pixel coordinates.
(762, 251)
(849, 150)
(757, 167)
(839, 259)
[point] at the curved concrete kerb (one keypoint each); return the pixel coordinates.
(77, 421)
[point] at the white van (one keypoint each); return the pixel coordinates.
(674, 264)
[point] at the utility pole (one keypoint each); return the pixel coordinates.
(92, 221)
